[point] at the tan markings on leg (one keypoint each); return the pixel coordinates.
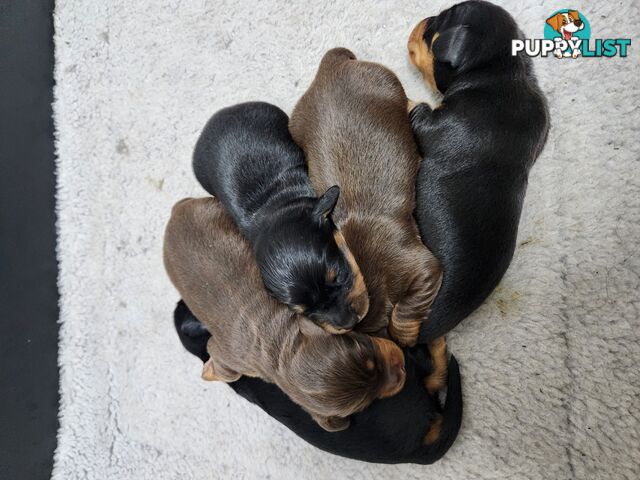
(434, 431)
(358, 296)
(437, 379)
(405, 332)
(414, 308)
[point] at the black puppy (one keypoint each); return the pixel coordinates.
(246, 158)
(391, 430)
(477, 150)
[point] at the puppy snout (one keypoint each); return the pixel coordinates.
(394, 362)
(416, 35)
(348, 320)
(398, 373)
(577, 23)
(341, 321)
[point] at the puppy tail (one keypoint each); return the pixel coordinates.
(451, 417)
(192, 333)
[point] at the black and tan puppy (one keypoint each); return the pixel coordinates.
(246, 158)
(329, 376)
(408, 427)
(353, 126)
(477, 149)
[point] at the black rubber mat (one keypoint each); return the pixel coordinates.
(28, 267)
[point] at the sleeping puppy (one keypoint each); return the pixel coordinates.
(246, 158)
(353, 127)
(408, 427)
(477, 148)
(329, 376)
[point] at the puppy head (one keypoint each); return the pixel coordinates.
(335, 376)
(462, 38)
(566, 23)
(306, 264)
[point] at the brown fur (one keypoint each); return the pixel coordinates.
(358, 295)
(214, 270)
(555, 22)
(437, 379)
(420, 53)
(353, 126)
(434, 430)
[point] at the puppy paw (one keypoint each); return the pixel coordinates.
(404, 332)
(419, 111)
(212, 374)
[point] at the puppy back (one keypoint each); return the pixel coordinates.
(244, 155)
(210, 263)
(353, 126)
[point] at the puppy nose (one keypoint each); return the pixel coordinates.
(577, 22)
(397, 376)
(400, 375)
(396, 364)
(350, 320)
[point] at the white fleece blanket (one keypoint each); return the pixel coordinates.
(550, 362)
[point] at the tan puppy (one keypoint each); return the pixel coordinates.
(213, 268)
(353, 126)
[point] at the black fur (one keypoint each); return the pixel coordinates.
(246, 158)
(477, 151)
(388, 431)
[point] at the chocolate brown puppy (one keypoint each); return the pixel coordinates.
(411, 426)
(353, 126)
(329, 376)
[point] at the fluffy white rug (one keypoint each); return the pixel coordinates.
(550, 362)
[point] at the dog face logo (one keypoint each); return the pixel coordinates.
(567, 34)
(565, 25)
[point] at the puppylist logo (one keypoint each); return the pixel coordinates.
(567, 34)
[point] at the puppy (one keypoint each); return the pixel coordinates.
(477, 148)
(408, 427)
(246, 158)
(566, 24)
(353, 127)
(330, 376)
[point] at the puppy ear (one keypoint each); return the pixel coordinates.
(327, 202)
(332, 424)
(310, 329)
(574, 15)
(457, 46)
(208, 372)
(554, 22)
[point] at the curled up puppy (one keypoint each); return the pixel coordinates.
(411, 426)
(353, 126)
(329, 376)
(246, 158)
(477, 148)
